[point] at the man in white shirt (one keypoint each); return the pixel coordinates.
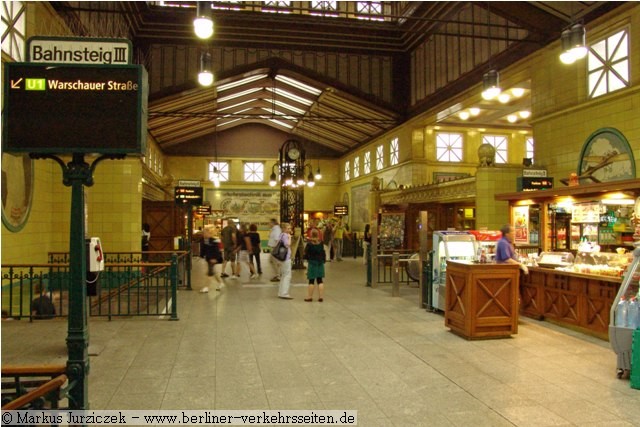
(274, 236)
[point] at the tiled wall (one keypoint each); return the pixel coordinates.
(489, 181)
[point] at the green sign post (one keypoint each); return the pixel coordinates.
(57, 109)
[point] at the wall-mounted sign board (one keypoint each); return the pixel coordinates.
(79, 50)
(59, 109)
(341, 210)
(524, 183)
(188, 195)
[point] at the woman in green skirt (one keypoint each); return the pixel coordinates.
(315, 256)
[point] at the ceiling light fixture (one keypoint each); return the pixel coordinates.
(491, 85)
(574, 46)
(205, 76)
(512, 118)
(504, 98)
(474, 111)
(464, 115)
(517, 92)
(203, 24)
(524, 114)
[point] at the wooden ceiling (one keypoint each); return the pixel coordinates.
(290, 101)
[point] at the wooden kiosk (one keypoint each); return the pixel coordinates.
(481, 300)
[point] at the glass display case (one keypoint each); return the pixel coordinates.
(600, 263)
(449, 245)
(624, 315)
(555, 259)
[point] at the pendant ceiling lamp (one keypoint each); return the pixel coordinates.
(205, 76)
(203, 23)
(491, 85)
(574, 46)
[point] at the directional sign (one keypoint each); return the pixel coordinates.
(74, 109)
(203, 210)
(188, 195)
(340, 210)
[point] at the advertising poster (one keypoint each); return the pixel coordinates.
(521, 224)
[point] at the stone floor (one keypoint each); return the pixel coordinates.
(361, 349)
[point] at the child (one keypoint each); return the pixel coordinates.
(315, 256)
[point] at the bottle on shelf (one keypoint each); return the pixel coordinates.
(633, 310)
(621, 312)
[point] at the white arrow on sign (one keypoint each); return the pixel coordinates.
(16, 85)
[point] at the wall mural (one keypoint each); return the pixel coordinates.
(251, 206)
(606, 156)
(360, 207)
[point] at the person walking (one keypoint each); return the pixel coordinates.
(255, 246)
(211, 249)
(315, 255)
(339, 233)
(244, 249)
(285, 274)
(274, 235)
(229, 243)
(327, 240)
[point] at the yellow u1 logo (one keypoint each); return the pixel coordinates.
(35, 84)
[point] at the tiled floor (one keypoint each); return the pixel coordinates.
(361, 349)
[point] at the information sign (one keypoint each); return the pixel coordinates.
(79, 50)
(189, 183)
(535, 173)
(531, 184)
(188, 195)
(341, 210)
(203, 210)
(74, 109)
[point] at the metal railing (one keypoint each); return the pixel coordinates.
(392, 264)
(126, 288)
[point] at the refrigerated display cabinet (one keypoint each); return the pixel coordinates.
(449, 245)
(621, 335)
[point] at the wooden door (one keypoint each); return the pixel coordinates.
(166, 221)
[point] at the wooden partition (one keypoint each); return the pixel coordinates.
(482, 299)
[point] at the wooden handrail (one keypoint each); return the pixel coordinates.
(33, 371)
(36, 393)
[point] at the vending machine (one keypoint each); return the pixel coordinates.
(449, 245)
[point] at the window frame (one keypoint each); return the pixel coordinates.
(224, 169)
(394, 152)
(603, 69)
(380, 157)
(491, 140)
(447, 149)
(258, 172)
(366, 163)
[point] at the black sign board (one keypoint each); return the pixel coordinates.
(59, 109)
(526, 183)
(188, 195)
(203, 210)
(341, 210)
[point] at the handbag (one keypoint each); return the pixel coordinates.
(279, 252)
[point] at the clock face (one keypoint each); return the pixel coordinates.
(293, 153)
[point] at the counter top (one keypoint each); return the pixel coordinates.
(573, 274)
(483, 264)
